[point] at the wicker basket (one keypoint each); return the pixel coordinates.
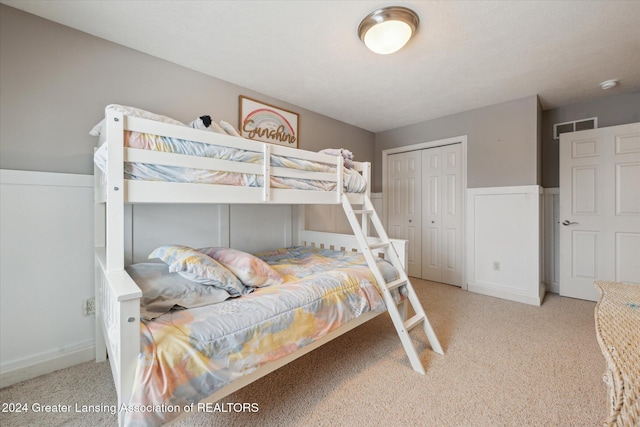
(617, 319)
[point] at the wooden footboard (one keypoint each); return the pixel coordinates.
(117, 325)
(348, 243)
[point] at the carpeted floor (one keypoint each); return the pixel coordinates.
(506, 364)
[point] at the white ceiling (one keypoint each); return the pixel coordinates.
(466, 54)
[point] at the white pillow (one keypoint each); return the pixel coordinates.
(163, 291)
(133, 112)
(230, 130)
(214, 127)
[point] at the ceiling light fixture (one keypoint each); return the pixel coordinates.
(609, 84)
(388, 29)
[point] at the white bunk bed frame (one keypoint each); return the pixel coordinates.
(118, 296)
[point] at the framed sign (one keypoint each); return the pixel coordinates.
(266, 123)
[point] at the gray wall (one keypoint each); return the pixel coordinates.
(611, 111)
(502, 142)
(56, 81)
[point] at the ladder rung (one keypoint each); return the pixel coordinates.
(402, 327)
(413, 322)
(379, 245)
(396, 284)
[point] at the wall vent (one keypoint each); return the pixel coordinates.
(574, 126)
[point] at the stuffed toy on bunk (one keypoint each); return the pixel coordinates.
(346, 154)
(202, 123)
(205, 123)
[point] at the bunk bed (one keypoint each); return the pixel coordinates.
(147, 158)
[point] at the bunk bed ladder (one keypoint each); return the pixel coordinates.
(403, 326)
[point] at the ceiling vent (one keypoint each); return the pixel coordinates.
(574, 126)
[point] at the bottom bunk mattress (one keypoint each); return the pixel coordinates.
(189, 354)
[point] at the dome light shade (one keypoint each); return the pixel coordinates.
(388, 29)
(609, 84)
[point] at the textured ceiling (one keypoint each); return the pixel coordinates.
(466, 54)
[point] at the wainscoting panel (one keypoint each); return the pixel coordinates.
(46, 271)
(331, 218)
(180, 224)
(552, 239)
(47, 258)
(255, 228)
(504, 256)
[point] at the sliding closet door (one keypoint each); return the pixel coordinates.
(441, 214)
(404, 220)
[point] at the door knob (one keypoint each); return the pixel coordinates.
(567, 222)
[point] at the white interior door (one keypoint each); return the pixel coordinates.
(599, 208)
(451, 247)
(441, 214)
(404, 211)
(432, 214)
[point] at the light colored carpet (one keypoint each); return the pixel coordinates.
(506, 364)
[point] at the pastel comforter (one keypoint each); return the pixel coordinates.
(188, 355)
(353, 181)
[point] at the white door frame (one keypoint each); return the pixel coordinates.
(423, 145)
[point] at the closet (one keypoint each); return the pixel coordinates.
(425, 207)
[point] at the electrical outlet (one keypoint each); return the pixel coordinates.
(88, 306)
(496, 265)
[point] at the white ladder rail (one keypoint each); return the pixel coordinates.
(402, 326)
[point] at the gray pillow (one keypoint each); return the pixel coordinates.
(163, 291)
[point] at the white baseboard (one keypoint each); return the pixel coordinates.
(44, 363)
(553, 287)
(497, 292)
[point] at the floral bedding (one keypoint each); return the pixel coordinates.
(188, 355)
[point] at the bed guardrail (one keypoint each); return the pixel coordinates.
(142, 191)
(118, 324)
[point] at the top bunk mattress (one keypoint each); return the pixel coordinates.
(353, 181)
